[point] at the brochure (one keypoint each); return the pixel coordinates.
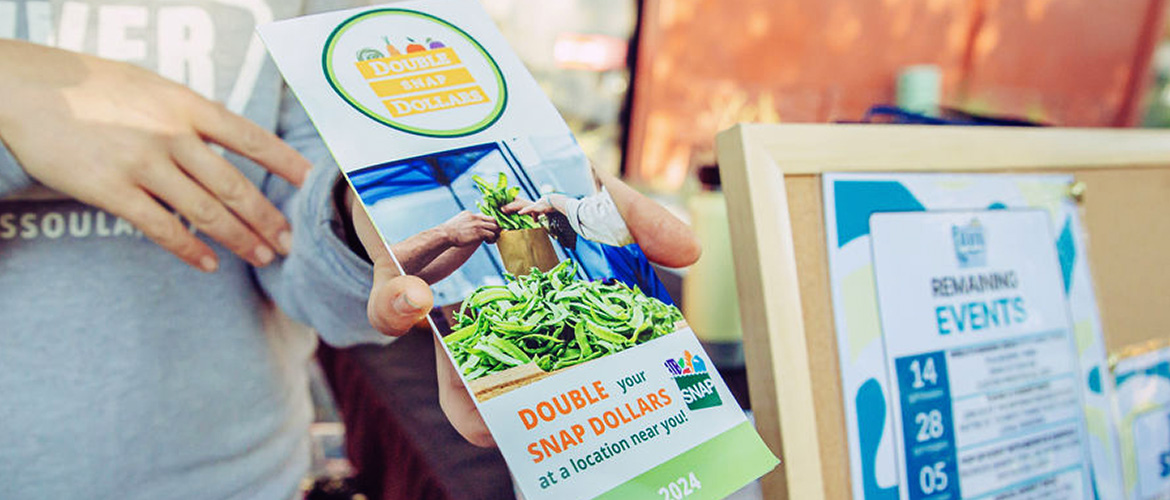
(970, 347)
(1143, 406)
(584, 370)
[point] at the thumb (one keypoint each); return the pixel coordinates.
(397, 302)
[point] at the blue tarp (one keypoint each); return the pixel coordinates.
(398, 178)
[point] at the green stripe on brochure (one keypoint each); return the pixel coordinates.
(721, 465)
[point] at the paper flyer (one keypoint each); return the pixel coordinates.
(586, 373)
(1143, 406)
(970, 347)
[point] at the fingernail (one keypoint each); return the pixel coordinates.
(284, 239)
(264, 255)
(405, 304)
(208, 264)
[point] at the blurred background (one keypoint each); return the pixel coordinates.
(646, 84)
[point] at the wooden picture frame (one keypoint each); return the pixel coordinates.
(771, 178)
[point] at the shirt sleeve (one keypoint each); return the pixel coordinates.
(12, 175)
(322, 283)
(596, 218)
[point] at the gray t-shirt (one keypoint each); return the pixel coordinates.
(123, 372)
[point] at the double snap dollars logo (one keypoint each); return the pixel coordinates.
(415, 72)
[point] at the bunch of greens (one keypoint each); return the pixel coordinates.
(497, 196)
(554, 320)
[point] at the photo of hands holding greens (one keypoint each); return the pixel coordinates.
(533, 265)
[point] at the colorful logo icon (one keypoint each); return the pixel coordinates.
(691, 376)
(415, 72)
(970, 244)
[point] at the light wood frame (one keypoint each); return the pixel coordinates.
(771, 178)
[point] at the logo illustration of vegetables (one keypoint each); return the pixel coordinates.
(390, 49)
(554, 320)
(497, 196)
(367, 53)
(414, 46)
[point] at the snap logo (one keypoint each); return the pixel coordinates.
(690, 374)
(415, 72)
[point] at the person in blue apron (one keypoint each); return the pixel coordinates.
(607, 230)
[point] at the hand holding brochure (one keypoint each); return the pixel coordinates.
(589, 379)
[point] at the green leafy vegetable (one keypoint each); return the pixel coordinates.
(367, 53)
(497, 196)
(554, 320)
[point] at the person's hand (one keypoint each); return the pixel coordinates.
(466, 228)
(130, 142)
(522, 205)
(457, 404)
(399, 302)
(396, 302)
(543, 206)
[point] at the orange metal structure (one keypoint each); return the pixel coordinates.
(704, 65)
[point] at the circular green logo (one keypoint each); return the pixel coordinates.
(414, 72)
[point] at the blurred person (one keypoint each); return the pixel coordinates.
(130, 373)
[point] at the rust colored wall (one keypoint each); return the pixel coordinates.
(704, 65)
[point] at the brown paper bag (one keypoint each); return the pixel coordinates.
(524, 249)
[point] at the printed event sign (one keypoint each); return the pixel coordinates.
(586, 373)
(971, 351)
(1143, 405)
(986, 370)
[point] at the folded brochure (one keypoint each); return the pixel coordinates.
(584, 370)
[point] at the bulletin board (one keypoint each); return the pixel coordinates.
(772, 177)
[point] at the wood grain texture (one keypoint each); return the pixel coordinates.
(765, 266)
(811, 149)
(772, 179)
(808, 238)
(762, 388)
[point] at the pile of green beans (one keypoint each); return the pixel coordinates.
(554, 320)
(497, 196)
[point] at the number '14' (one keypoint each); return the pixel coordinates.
(923, 373)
